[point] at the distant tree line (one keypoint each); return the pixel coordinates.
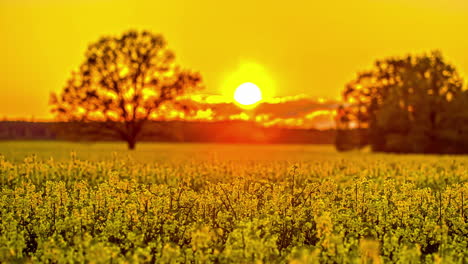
(173, 131)
(23, 130)
(413, 104)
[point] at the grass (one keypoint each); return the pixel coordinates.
(159, 152)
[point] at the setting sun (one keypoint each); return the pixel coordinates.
(247, 94)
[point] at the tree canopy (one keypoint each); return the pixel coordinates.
(412, 104)
(121, 84)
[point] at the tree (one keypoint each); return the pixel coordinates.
(407, 104)
(121, 84)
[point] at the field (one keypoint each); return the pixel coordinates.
(207, 203)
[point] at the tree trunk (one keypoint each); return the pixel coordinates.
(131, 144)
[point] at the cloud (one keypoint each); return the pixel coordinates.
(293, 111)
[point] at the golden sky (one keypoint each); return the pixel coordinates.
(299, 47)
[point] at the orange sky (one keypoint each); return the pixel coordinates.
(297, 47)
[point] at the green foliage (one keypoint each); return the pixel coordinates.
(235, 204)
(414, 104)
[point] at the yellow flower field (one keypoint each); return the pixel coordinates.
(207, 203)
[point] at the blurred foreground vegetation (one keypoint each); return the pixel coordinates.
(169, 203)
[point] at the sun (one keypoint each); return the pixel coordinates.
(247, 85)
(247, 94)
